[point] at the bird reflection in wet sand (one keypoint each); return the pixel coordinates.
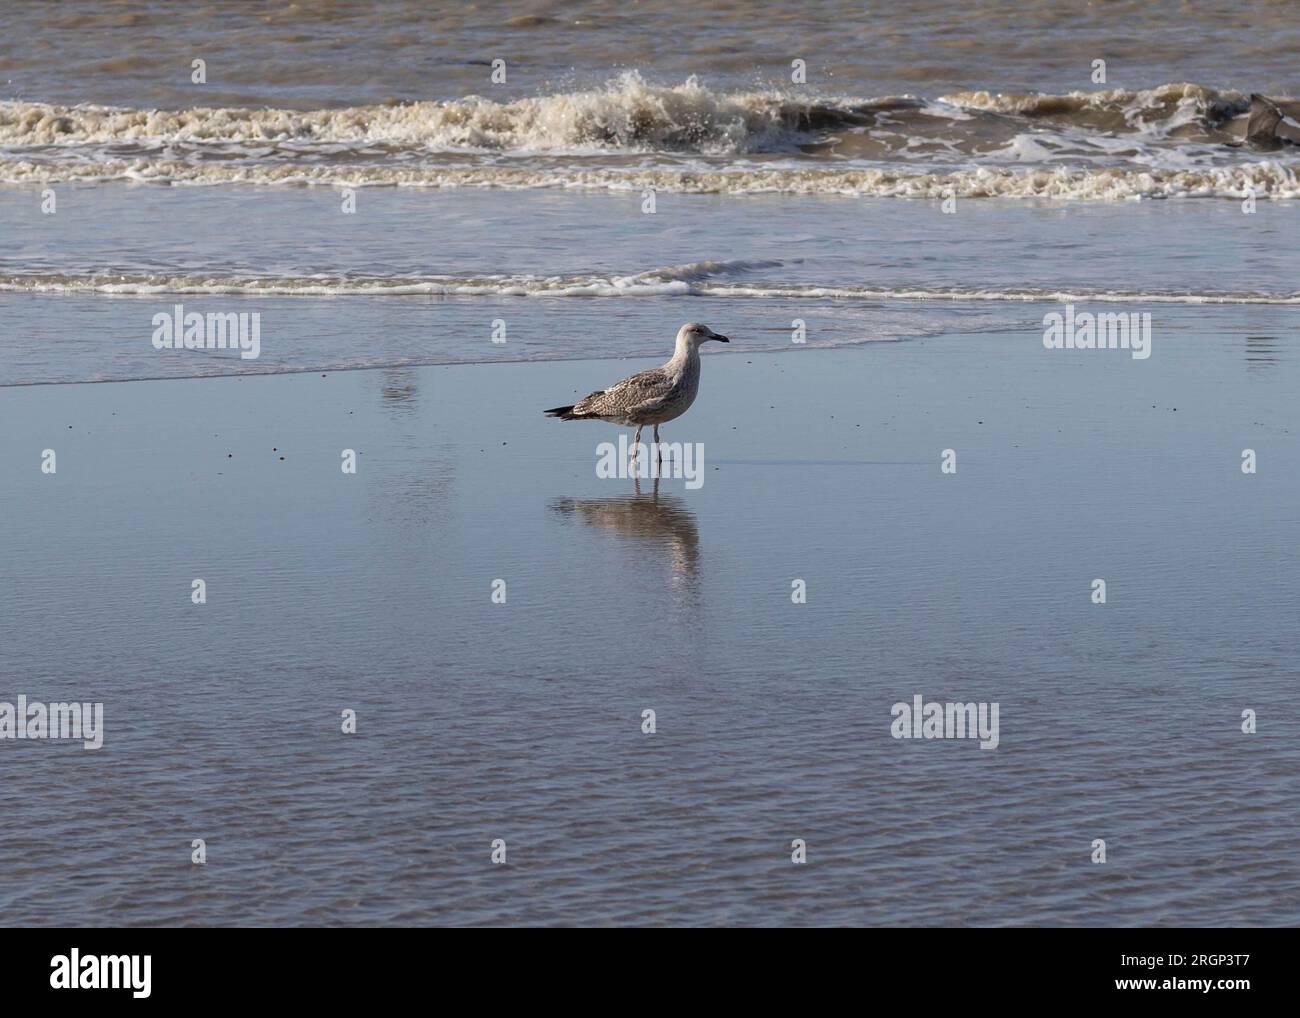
(399, 389)
(661, 523)
(1261, 352)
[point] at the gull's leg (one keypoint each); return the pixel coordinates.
(636, 442)
(658, 450)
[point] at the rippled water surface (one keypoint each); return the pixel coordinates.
(522, 720)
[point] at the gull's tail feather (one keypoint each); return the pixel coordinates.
(564, 413)
(578, 411)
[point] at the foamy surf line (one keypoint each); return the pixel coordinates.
(684, 280)
(1267, 179)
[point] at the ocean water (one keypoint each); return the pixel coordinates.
(1014, 101)
(940, 181)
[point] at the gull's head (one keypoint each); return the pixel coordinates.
(694, 333)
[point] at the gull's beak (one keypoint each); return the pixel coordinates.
(720, 339)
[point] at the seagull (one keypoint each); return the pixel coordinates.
(648, 397)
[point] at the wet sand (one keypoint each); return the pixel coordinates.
(522, 721)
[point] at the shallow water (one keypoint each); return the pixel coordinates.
(420, 278)
(522, 721)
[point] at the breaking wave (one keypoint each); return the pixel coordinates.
(1173, 141)
(629, 113)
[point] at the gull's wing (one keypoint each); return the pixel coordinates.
(624, 396)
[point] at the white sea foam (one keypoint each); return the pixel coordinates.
(704, 279)
(1266, 179)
